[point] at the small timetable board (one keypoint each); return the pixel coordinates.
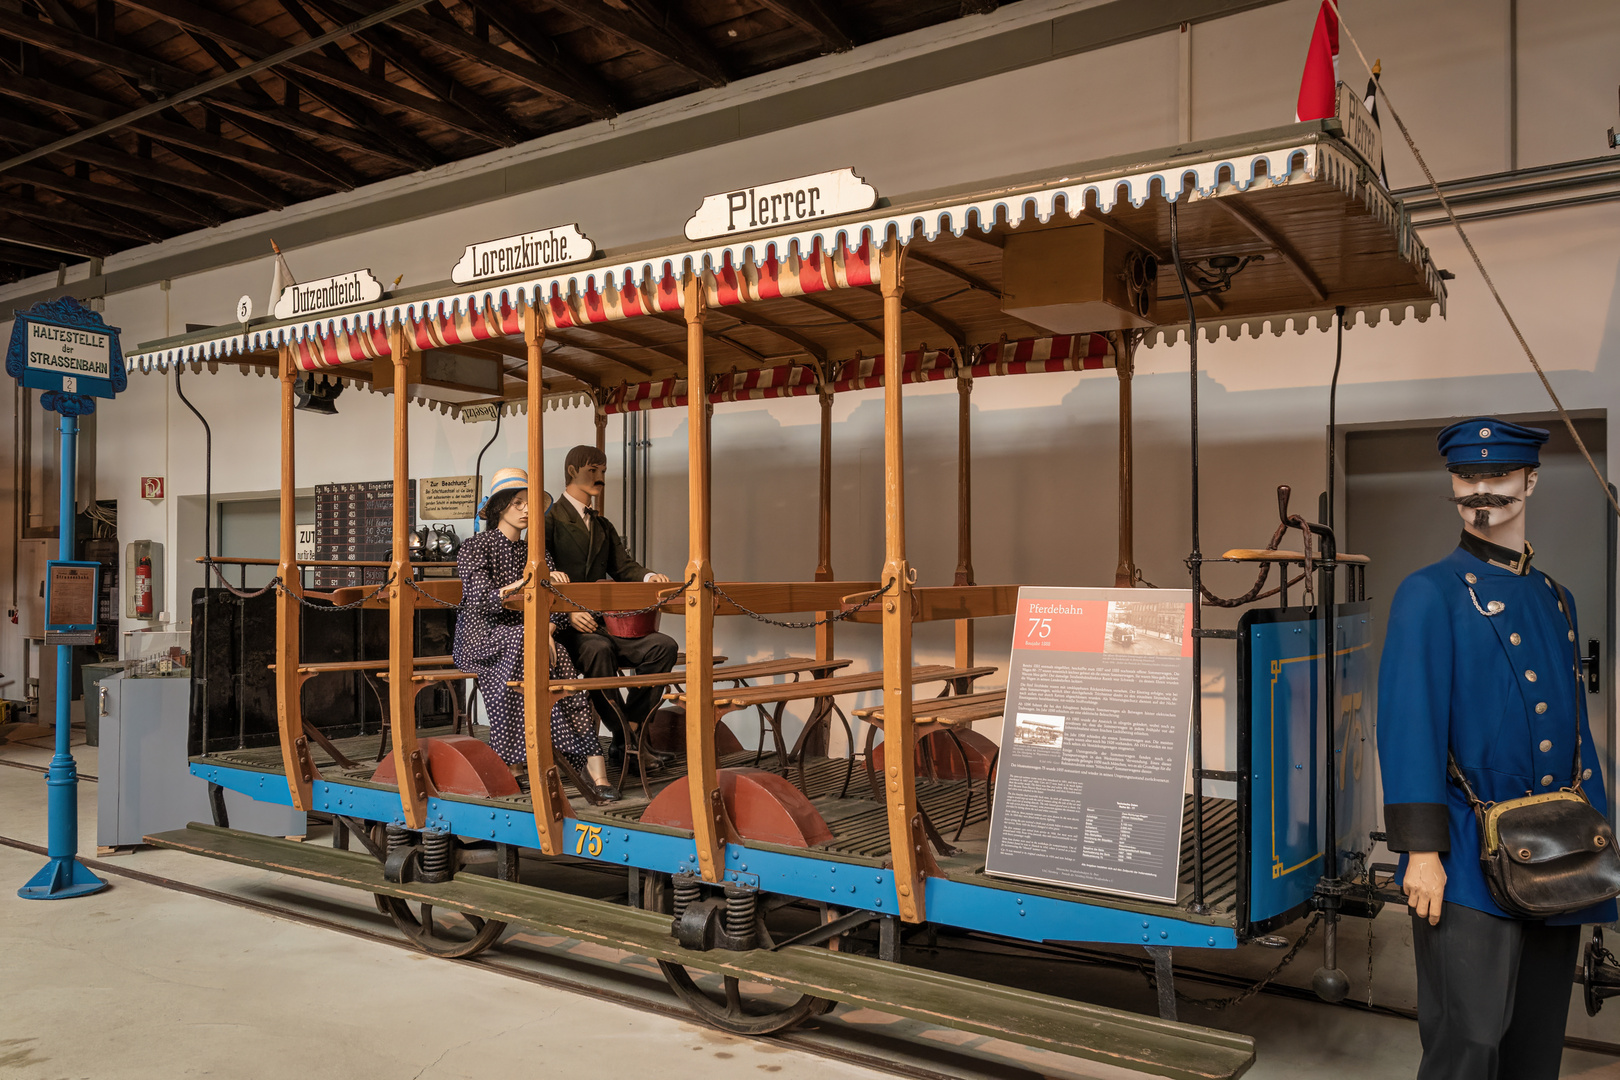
(1094, 741)
(72, 592)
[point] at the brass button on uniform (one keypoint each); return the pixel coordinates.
(1541, 706)
(1515, 638)
(1528, 674)
(1546, 745)
(1546, 781)
(1471, 579)
(1572, 635)
(1586, 774)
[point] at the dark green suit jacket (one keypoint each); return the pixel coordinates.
(588, 555)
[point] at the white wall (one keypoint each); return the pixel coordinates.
(1043, 445)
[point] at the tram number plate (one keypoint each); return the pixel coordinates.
(587, 839)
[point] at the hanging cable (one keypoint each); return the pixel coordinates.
(1479, 264)
(1333, 421)
(478, 469)
(1195, 564)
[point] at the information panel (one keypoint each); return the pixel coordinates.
(70, 602)
(1094, 744)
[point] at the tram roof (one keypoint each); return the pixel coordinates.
(789, 309)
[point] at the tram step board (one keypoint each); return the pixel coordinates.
(1073, 1028)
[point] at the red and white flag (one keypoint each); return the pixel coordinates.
(1318, 86)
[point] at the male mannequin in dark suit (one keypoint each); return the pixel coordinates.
(585, 546)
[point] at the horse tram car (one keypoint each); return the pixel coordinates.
(780, 866)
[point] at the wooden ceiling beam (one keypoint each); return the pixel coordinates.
(54, 237)
(99, 221)
(94, 221)
(69, 101)
(523, 30)
(628, 337)
(250, 120)
(191, 215)
(18, 255)
(252, 41)
(817, 18)
(635, 30)
(118, 161)
(480, 114)
(435, 26)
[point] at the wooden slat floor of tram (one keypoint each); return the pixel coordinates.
(858, 822)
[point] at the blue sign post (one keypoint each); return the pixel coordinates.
(66, 350)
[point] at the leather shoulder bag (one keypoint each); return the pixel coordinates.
(1551, 854)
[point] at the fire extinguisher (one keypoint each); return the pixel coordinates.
(143, 588)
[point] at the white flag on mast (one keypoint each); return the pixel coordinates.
(280, 278)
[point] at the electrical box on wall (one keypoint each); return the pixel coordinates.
(143, 578)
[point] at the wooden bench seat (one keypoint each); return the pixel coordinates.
(945, 715)
(822, 692)
(369, 670)
(763, 669)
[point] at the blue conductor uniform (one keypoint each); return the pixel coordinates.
(1480, 662)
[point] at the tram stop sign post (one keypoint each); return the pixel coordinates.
(66, 350)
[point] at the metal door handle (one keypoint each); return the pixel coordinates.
(1590, 662)
(102, 698)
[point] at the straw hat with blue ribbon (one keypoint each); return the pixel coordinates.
(509, 480)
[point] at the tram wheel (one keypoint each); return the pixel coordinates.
(731, 1012)
(454, 935)
(726, 1007)
(447, 933)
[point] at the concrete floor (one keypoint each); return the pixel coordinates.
(145, 981)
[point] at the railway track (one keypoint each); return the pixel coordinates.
(890, 1055)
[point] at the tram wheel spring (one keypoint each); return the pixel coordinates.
(688, 891)
(437, 856)
(742, 904)
(399, 837)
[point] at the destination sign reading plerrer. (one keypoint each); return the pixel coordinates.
(786, 203)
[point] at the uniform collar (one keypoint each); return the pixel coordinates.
(1515, 562)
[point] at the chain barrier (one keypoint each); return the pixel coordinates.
(598, 616)
(280, 585)
(241, 594)
(837, 616)
(411, 581)
(1216, 1003)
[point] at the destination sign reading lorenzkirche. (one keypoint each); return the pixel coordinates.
(343, 290)
(789, 202)
(519, 254)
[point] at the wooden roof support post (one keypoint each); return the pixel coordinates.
(710, 825)
(597, 501)
(1124, 367)
(545, 783)
(409, 766)
(824, 569)
(964, 508)
(289, 704)
(908, 846)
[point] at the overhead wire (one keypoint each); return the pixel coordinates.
(1479, 264)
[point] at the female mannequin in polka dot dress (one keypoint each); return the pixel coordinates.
(489, 638)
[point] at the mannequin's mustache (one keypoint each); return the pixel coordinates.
(1484, 500)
